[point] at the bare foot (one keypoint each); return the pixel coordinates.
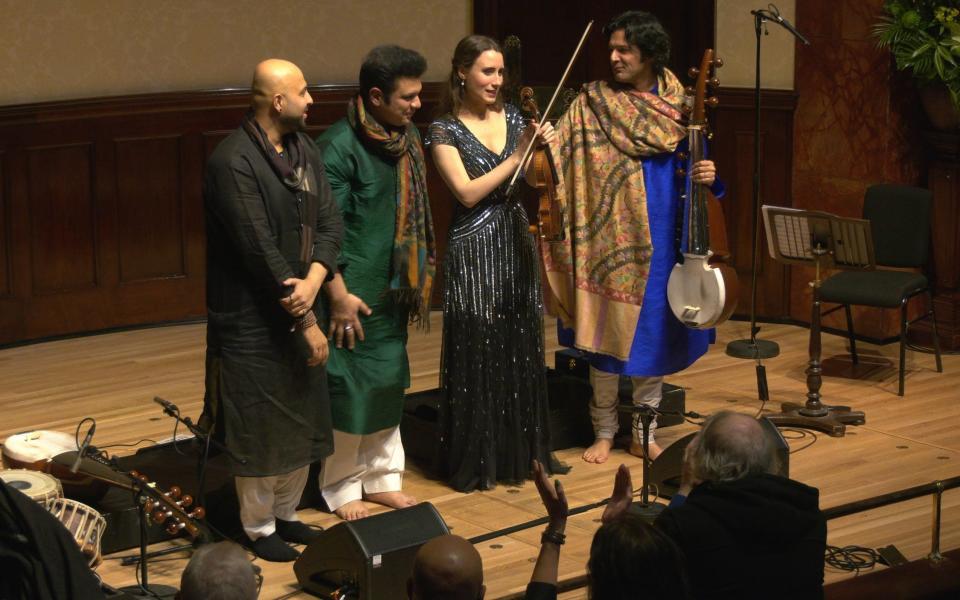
(392, 499)
(352, 511)
(636, 449)
(599, 452)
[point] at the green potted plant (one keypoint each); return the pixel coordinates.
(924, 38)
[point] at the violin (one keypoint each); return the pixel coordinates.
(549, 212)
(550, 222)
(702, 289)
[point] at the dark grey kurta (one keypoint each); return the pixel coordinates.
(271, 410)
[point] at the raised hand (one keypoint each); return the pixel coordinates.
(621, 497)
(552, 496)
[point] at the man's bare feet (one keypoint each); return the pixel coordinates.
(352, 511)
(392, 499)
(636, 449)
(599, 452)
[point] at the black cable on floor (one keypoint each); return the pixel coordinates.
(851, 558)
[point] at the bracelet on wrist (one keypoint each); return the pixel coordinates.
(553, 536)
(306, 321)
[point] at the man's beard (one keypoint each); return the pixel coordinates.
(291, 123)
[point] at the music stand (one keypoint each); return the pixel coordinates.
(822, 240)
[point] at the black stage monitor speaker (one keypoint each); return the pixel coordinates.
(665, 471)
(369, 559)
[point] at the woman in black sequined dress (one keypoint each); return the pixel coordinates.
(494, 416)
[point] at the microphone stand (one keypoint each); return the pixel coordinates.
(143, 589)
(755, 348)
(171, 410)
(646, 509)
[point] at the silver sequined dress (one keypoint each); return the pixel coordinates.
(494, 417)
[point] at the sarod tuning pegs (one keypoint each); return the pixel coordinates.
(693, 72)
(717, 62)
(712, 102)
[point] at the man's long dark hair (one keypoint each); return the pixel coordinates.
(643, 30)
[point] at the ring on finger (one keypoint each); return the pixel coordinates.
(348, 327)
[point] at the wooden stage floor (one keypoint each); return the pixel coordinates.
(906, 441)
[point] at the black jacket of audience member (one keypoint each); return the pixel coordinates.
(38, 557)
(762, 536)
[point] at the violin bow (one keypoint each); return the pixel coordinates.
(543, 118)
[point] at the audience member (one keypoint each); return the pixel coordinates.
(447, 567)
(628, 558)
(220, 571)
(745, 532)
(38, 557)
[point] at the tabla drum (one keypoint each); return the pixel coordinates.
(35, 449)
(40, 487)
(84, 524)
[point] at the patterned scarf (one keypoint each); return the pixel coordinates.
(598, 274)
(414, 259)
(291, 171)
(297, 174)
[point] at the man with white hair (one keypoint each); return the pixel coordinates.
(745, 531)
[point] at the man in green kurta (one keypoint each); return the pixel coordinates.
(375, 166)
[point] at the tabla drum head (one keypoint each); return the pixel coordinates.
(39, 487)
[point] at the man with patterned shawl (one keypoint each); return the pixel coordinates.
(618, 155)
(376, 168)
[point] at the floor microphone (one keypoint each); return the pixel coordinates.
(168, 407)
(83, 448)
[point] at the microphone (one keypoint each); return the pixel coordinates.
(83, 448)
(168, 407)
(774, 15)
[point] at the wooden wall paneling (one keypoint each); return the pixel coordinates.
(733, 125)
(101, 208)
(5, 287)
(150, 227)
(12, 318)
(10, 308)
(194, 230)
(62, 218)
(550, 38)
(942, 181)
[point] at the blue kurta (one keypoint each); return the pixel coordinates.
(661, 343)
